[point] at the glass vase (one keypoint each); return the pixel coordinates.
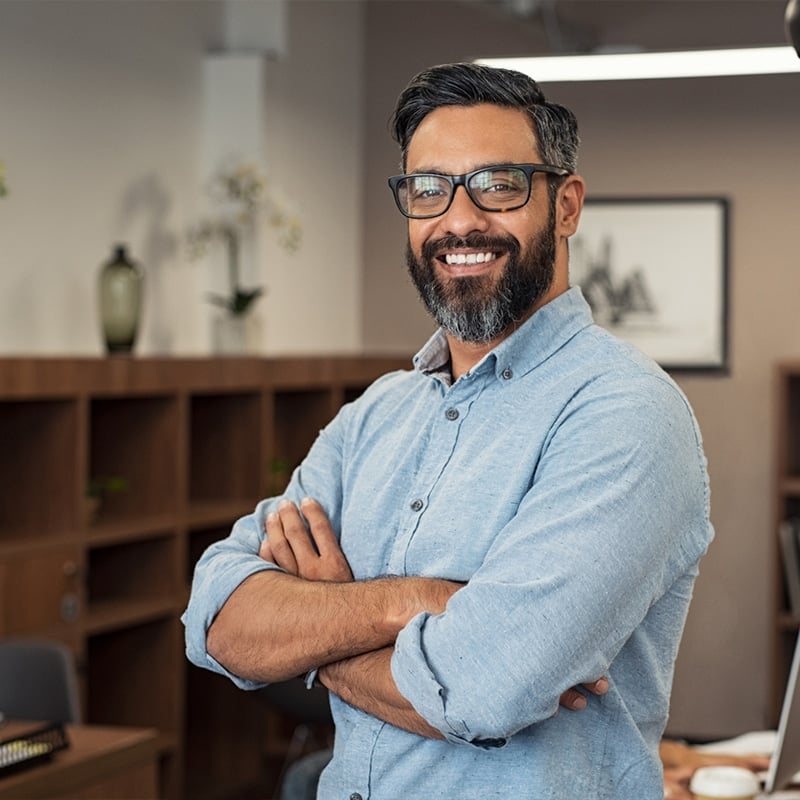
(120, 297)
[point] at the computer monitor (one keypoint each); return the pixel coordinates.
(785, 763)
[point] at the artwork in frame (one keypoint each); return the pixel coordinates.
(654, 271)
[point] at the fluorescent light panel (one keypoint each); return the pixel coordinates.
(633, 66)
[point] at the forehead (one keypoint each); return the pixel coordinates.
(456, 139)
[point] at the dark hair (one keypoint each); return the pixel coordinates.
(468, 84)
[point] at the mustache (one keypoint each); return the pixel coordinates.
(475, 241)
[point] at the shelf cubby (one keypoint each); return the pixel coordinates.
(125, 684)
(38, 472)
(134, 440)
(199, 540)
(298, 417)
(110, 579)
(225, 447)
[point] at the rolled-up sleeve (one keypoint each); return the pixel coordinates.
(227, 563)
(220, 570)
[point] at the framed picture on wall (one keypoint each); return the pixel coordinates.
(655, 272)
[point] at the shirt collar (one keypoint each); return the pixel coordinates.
(531, 344)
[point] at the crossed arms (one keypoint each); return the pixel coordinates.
(320, 617)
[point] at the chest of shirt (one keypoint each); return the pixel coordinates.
(428, 488)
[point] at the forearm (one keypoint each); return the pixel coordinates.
(276, 626)
(365, 681)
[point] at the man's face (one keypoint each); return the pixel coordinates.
(479, 272)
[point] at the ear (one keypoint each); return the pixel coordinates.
(569, 204)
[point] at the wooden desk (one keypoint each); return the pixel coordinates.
(100, 764)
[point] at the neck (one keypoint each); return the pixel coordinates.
(465, 355)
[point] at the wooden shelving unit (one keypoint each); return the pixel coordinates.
(197, 443)
(787, 506)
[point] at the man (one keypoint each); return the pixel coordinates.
(521, 513)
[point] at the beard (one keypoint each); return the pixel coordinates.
(479, 308)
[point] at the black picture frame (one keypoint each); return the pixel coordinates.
(655, 271)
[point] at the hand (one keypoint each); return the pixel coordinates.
(676, 783)
(575, 700)
(309, 551)
(680, 762)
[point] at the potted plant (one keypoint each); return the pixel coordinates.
(98, 489)
(240, 196)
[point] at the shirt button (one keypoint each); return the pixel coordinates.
(507, 374)
(451, 413)
(355, 796)
(416, 505)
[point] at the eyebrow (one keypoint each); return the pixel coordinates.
(487, 165)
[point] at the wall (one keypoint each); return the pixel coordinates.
(100, 112)
(732, 137)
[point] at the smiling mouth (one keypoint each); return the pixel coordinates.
(468, 258)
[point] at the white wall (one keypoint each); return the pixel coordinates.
(100, 131)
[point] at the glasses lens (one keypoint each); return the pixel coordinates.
(423, 195)
(499, 189)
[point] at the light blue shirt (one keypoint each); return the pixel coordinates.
(564, 479)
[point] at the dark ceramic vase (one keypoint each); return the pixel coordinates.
(120, 295)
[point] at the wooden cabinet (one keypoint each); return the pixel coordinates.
(182, 448)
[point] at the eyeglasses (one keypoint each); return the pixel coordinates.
(423, 195)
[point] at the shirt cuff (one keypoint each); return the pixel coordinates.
(311, 678)
(418, 684)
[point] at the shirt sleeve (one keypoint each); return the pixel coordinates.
(227, 563)
(615, 518)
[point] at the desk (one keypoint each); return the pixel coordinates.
(100, 764)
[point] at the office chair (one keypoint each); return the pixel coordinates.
(308, 711)
(38, 681)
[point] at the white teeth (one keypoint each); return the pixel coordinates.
(472, 258)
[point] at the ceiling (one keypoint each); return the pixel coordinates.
(586, 25)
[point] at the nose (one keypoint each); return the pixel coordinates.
(464, 216)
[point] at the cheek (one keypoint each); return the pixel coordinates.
(418, 233)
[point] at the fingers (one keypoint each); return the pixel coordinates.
(331, 564)
(598, 687)
(320, 526)
(276, 547)
(264, 551)
(575, 700)
(304, 544)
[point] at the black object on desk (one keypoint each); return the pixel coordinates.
(26, 749)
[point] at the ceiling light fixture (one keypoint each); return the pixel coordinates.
(635, 66)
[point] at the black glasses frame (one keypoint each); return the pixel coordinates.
(463, 180)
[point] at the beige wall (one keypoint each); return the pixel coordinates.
(735, 138)
(101, 126)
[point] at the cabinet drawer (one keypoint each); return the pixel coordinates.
(39, 590)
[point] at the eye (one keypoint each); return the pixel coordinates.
(427, 187)
(509, 182)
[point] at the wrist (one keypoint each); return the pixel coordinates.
(408, 597)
